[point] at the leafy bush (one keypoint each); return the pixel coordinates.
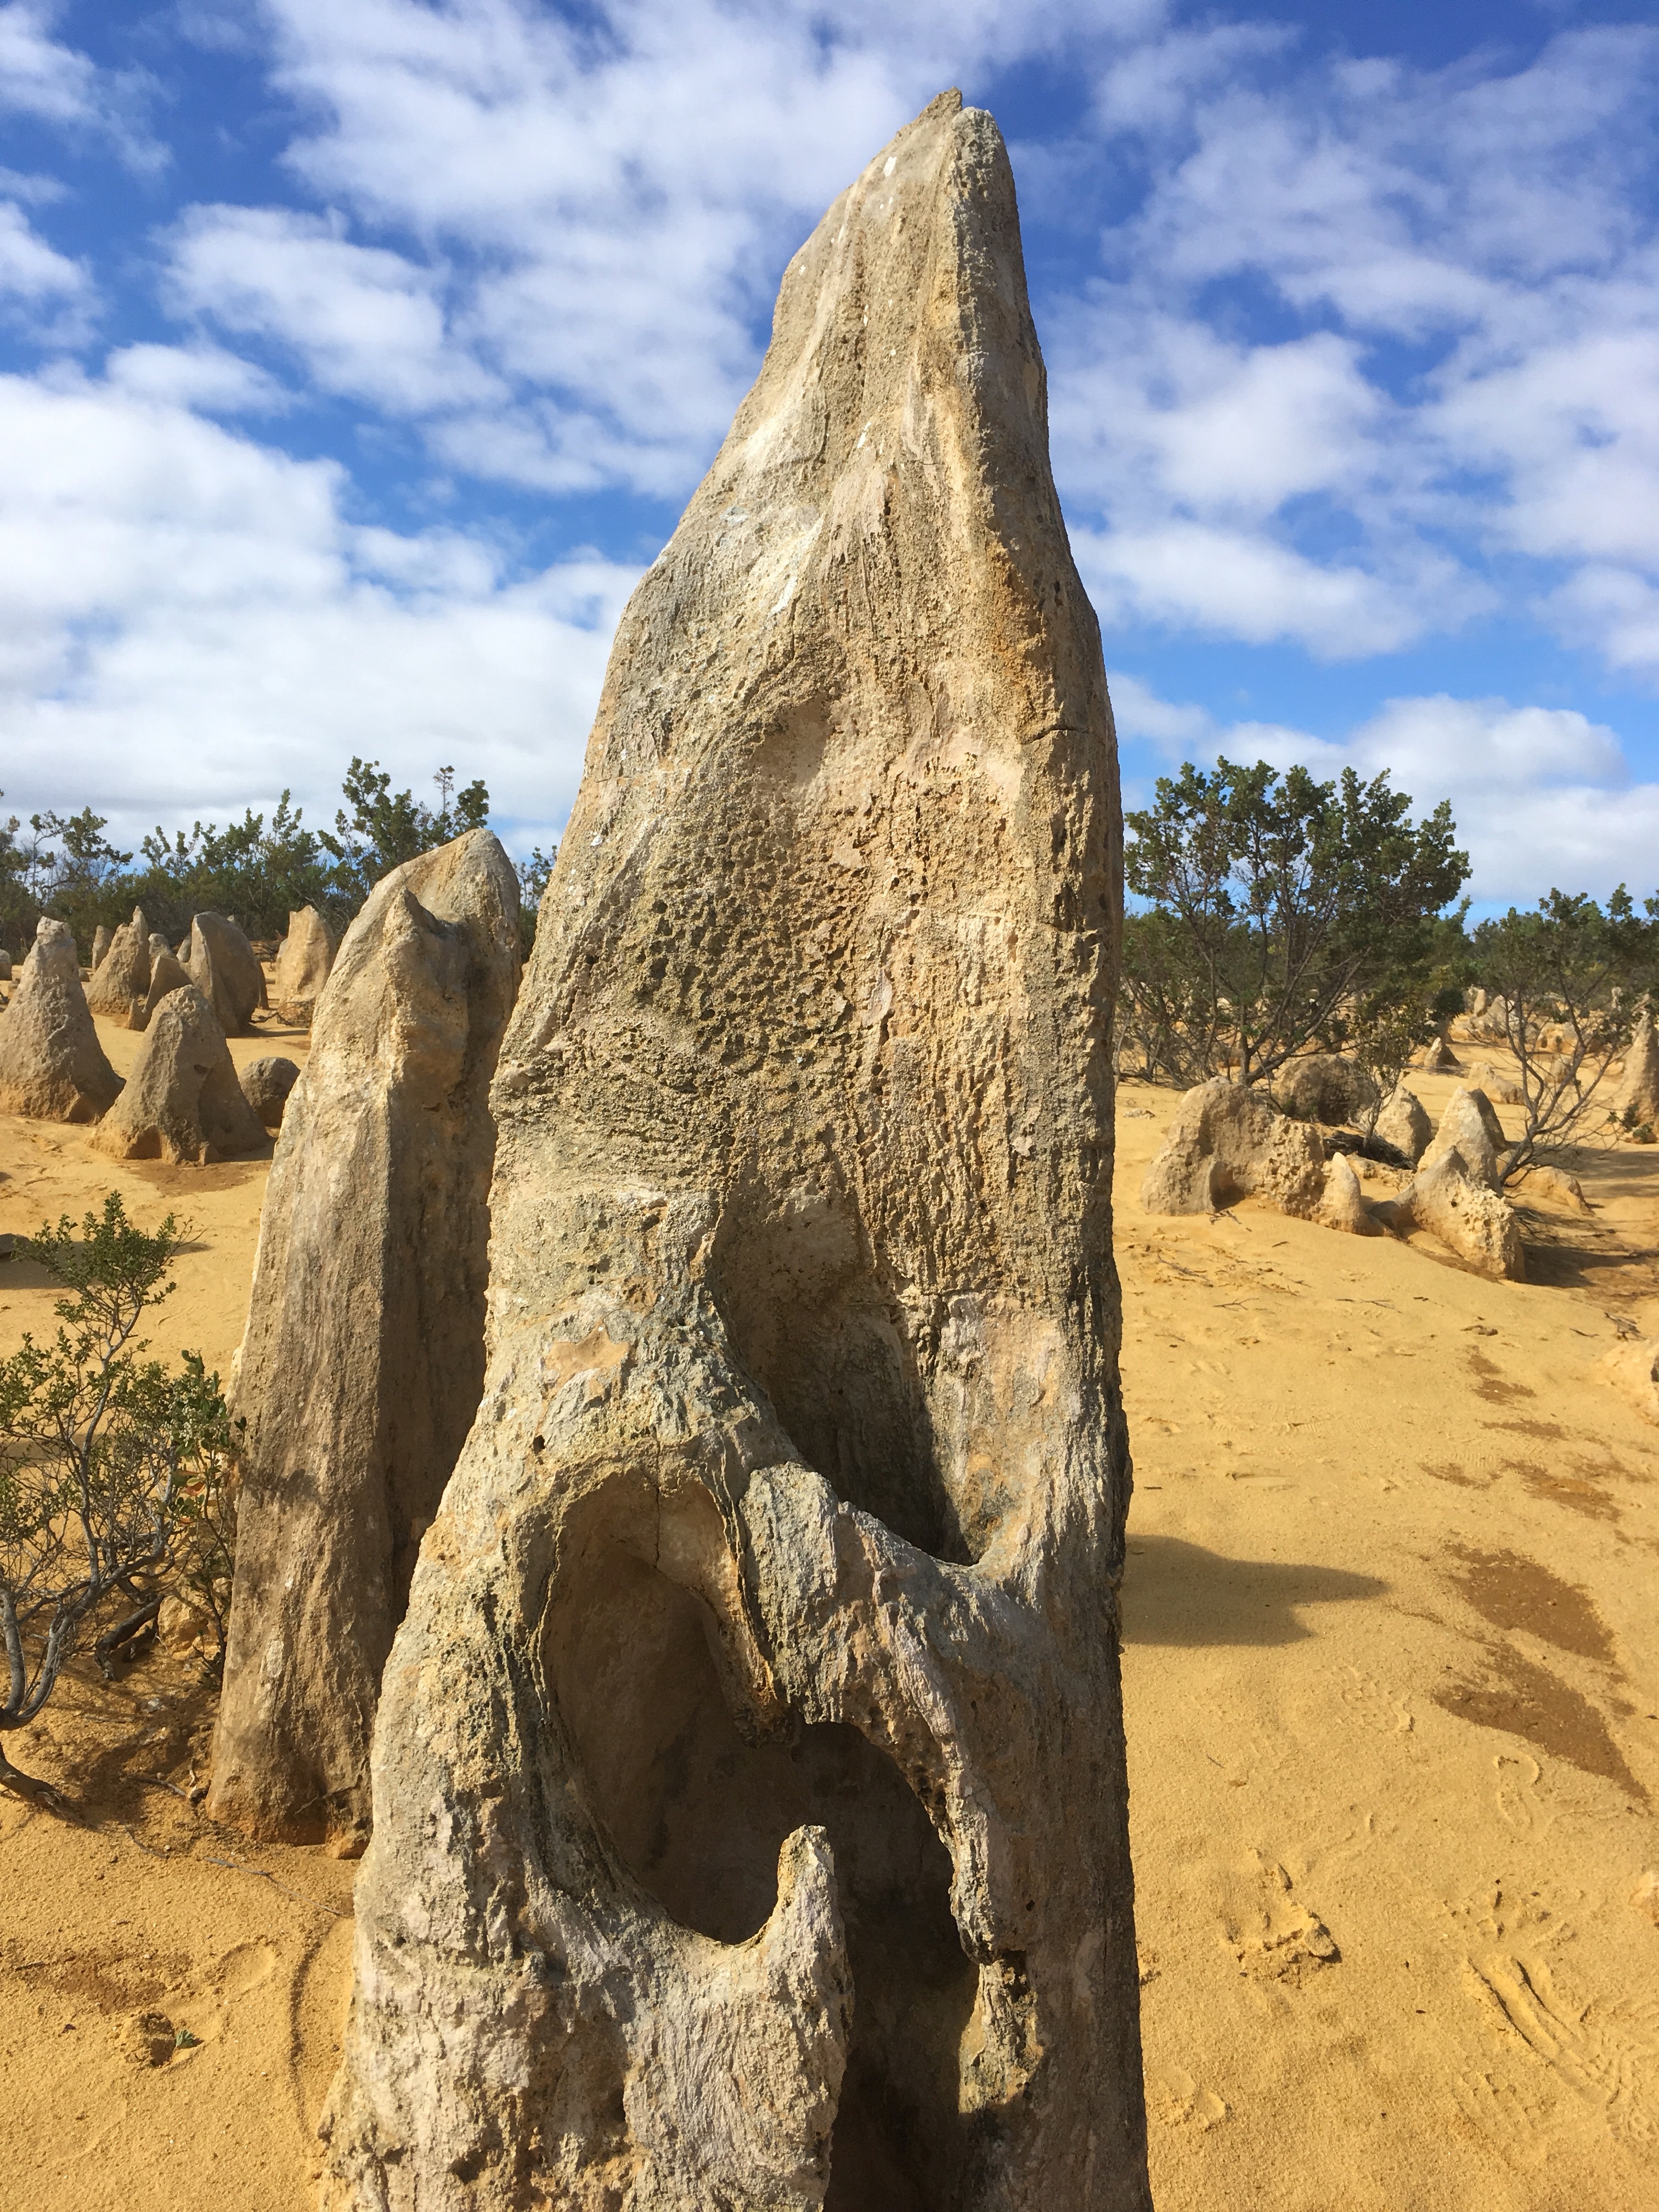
(115, 1475)
(1280, 913)
(1568, 981)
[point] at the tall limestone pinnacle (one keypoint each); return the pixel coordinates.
(750, 1815)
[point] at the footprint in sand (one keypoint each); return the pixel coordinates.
(203, 2008)
(1176, 2100)
(1606, 2052)
(1276, 1938)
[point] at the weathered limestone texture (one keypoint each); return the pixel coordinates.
(303, 961)
(1345, 1206)
(52, 1064)
(265, 1085)
(120, 981)
(1325, 1086)
(1456, 1203)
(1636, 1099)
(749, 1782)
(363, 1357)
(1470, 1127)
(182, 1102)
(102, 938)
(226, 971)
(1404, 1123)
(1226, 1141)
(165, 975)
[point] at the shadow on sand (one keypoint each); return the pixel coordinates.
(1177, 1593)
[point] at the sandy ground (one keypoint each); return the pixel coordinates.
(1394, 1727)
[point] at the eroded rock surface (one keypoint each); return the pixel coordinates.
(52, 1064)
(1636, 1101)
(266, 1084)
(1225, 1141)
(362, 1364)
(1324, 1086)
(1404, 1123)
(303, 961)
(1469, 1127)
(1453, 1201)
(226, 971)
(765, 1646)
(120, 981)
(182, 1102)
(165, 975)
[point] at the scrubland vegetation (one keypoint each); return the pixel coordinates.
(65, 865)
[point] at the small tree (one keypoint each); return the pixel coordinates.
(1285, 913)
(1569, 980)
(110, 1470)
(386, 827)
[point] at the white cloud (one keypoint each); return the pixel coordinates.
(29, 268)
(188, 622)
(202, 377)
(366, 322)
(1497, 222)
(1542, 796)
(41, 77)
(1236, 584)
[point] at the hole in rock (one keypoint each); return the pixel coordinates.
(697, 1816)
(813, 1327)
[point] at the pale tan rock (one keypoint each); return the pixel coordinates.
(1440, 1060)
(266, 1084)
(226, 971)
(1345, 1206)
(1324, 1086)
(102, 939)
(165, 974)
(1404, 1123)
(765, 1638)
(1554, 1187)
(120, 981)
(182, 1102)
(178, 1626)
(1645, 1895)
(1470, 1127)
(1633, 1368)
(52, 1064)
(1224, 1142)
(1502, 1090)
(1636, 1101)
(1466, 1213)
(361, 1364)
(303, 961)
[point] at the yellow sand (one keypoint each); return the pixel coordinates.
(1393, 1727)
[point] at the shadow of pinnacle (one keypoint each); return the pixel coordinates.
(1177, 1593)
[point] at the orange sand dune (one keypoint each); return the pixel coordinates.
(1393, 1726)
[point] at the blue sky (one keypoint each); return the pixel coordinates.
(356, 354)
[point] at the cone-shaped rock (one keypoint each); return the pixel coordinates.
(772, 1597)
(303, 961)
(266, 1084)
(363, 1357)
(226, 971)
(1636, 1099)
(52, 1064)
(120, 981)
(102, 938)
(182, 1102)
(165, 974)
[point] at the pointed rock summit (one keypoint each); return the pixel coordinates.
(748, 1795)
(120, 981)
(52, 1064)
(226, 971)
(182, 1102)
(303, 961)
(360, 1367)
